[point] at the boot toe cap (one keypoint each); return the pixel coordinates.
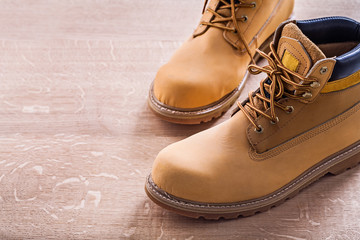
(189, 86)
(172, 173)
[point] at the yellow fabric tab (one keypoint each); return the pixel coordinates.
(290, 61)
(342, 83)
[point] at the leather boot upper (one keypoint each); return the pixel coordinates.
(264, 147)
(213, 62)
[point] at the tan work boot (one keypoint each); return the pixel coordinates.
(302, 122)
(205, 75)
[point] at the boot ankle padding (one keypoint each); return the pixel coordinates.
(337, 49)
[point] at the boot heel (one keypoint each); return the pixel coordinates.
(345, 165)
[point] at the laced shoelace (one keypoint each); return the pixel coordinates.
(225, 19)
(281, 80)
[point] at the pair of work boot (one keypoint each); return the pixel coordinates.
(300, 124)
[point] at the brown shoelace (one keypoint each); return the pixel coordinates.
(223, 20)
(281, 80)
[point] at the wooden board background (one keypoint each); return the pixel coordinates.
(77, 138)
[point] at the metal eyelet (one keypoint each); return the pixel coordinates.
(307, 95)
(323, 70)
(254, 4)
(245, 18)
(315, 84)
(289, 109)
(275, 122)
(259, 131)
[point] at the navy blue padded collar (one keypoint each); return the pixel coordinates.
(336, 29)
(330, 29)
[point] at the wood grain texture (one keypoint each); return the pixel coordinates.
(77, 138)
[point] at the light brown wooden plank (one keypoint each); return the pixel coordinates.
(77, 138)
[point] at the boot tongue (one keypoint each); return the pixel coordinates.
(226, 12)
(297, 52)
